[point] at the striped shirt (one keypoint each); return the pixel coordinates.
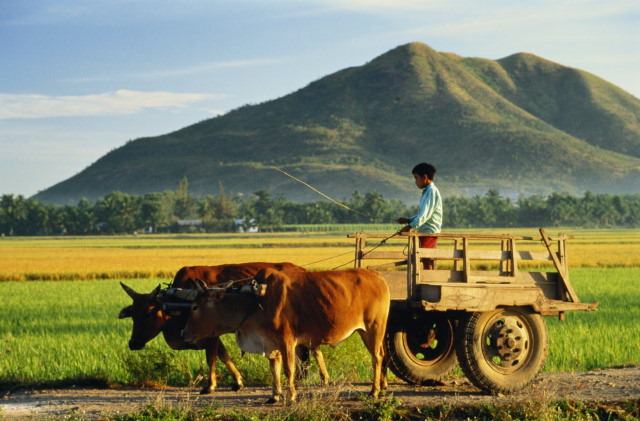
(429, 216)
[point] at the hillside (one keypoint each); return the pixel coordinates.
(521, 124)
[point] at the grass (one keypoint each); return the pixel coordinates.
(390, 408)
(67, 332)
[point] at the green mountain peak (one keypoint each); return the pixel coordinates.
(522, 124)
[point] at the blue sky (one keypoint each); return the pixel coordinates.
(80, 78)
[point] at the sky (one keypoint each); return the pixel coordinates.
(81, 78)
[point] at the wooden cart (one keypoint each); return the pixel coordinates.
(482, 304)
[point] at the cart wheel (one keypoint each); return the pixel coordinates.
(421, 351)
(502, 351)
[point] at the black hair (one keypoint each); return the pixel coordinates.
(424, 169)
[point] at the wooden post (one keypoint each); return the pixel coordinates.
(503, 262)
(466, 264)
(562, 272)
(456, 262)
(514, 257)
(413, 268)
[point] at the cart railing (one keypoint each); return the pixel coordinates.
(418, 283)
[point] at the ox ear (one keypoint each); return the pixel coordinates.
(125, 312)
(267, 275)
(129, 291)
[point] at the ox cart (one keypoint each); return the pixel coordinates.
(481, 305)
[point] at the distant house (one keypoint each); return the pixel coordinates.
(244, 225)
(188, 225)
(189, 222)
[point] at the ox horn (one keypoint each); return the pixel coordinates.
(129, 291)
(200, 284)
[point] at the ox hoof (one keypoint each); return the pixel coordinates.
(237, 386)
(273, 400)
(206, 390)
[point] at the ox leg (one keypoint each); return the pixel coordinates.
(211, 351)
(324, 374)
(385, 364)
(289, 358)
(303, 361)
(373, 341)
(224, 356)
(275, 364)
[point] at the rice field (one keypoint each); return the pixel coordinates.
(160, 256)
(67, 332)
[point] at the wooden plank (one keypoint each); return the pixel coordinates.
(560, 268)
(490, 279)
(454, 254)
(473, 236)
(441, 276)
(397, 282)
(478, 297)
(387, 255)
(534, 255)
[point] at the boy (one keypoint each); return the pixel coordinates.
(429, 217)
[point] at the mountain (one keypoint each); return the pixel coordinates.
(521, 124)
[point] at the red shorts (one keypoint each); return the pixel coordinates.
(428, 242)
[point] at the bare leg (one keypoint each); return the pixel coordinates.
(324, 374)
(428, 264)
(211, 352)
(275, 363)
(289, 358)
(224, 356)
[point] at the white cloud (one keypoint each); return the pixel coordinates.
(20, 106)
(178, 71)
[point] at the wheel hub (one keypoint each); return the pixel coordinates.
(510, 341)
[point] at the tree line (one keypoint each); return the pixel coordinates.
(174, 211)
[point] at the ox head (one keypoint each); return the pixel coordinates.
(217, 311)
(148, 317)
(204, 314)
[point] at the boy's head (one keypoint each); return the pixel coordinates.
(423, 174)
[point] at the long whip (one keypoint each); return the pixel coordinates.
(309, 186)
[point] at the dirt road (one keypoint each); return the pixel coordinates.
(610, 385)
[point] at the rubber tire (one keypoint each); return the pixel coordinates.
(474, 364)
(401, 363)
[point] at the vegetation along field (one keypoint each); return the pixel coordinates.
(58, 318)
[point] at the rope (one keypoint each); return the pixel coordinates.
(328, 258)
(370, 250)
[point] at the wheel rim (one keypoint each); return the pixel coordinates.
(427, 342)
(507, 342)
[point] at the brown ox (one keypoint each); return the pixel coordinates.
(307, 308)
(149, 319)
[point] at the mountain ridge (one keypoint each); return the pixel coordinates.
(521, 123)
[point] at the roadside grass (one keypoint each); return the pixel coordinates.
(67, 332)
(390, 408)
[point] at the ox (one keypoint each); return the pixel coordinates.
(307, 308)
(149, 319)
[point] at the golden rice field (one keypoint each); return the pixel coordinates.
(160, 256)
